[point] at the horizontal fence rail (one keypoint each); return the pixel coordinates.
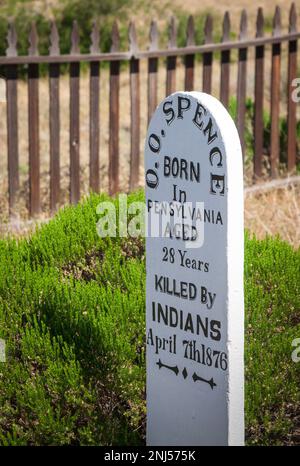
(133, 56)
(169, 52)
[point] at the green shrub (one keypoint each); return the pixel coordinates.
(72, 311)
(272, 301)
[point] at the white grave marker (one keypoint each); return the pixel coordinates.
(195, 303)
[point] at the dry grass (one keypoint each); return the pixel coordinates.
(273, 212)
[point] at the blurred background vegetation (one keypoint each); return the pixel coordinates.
(24, 12)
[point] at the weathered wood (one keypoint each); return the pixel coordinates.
(207, 57)
(54, 121)
(190, 59)
(95, 39)
(152, 71)
(94, 126)
(135, 111)
(225, 63)
(33, 41)
(12, 119)
(12, 40)
(94, 112)
(275, 96)
(176, 51)
(114, 115)
(74, 119)
(242, 80)
(292, 74)
(171, 61)
(259, 98)
(12, 133)
(75, 49)
(54, 49)
(33, 126)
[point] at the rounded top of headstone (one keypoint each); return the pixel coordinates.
(226, 126)
(195, 125)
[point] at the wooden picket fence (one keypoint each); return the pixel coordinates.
(54, 59)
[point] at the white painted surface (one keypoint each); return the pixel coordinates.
(181, 411)
(2, 350)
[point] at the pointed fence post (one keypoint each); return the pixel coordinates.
(94, 111)
(12, 119)
(152, 71)
(242, 82)
(33, 125)
(275, 96)
(208, 56)
(135, 109)
(292, 74)
(114, 114)
(225, 63)
(54, 120)
(74, 118)
(259, 98)
(190, 59)
(171, 61)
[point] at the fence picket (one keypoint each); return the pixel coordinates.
(190, 59)
(259, 97)
(33, 126)
(94, 112)
(135, 110)
(207, 57)
(292, 74)
(74, 118)
(242, 79)
(12, 119)
(54, 120)
(171, 61)
(275, 96)
(114, 115)
(152, 71)
(225, 63)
